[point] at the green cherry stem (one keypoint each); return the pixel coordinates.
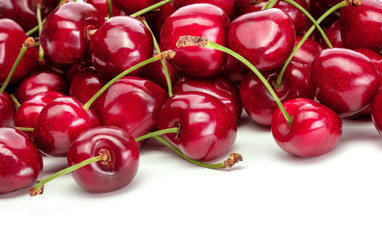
(166, 54)
(228, 163)
(25, 129)
(150, 8)
(307, 34)
(104, 157)
(156, 133)
(27, 44)
(14, 99)
(109, 8)
(186, 41)
(163, 62)
(269, 4)
(39, 21)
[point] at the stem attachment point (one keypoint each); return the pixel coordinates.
(189, 41)
(232, 160)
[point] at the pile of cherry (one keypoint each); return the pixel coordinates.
(93, 81)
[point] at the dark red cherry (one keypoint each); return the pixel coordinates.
(259, 103)
(374, 57)
(20, 160)
(333, 32)
(102, 7)
(226, 5)
(7, 110)
(207, 127)
(64, 35)
(133, 6)
(317, 9)
(308, 50)
(271, 45)
(7, 10)
(131, 103)
(26, 11)
(120, 43)
(26, 115)
(156, 22)
(235, 70)
(344, 80)
(198, 20)
(300, 20)
(101, 177)
(11, 41)
(75, 68)
(219, 87)
(41, 82)
(361, 25)
(59, 123)
(314, 131)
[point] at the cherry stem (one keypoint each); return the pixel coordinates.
(186, 41)
(303, 10)
(40, 50)
(150, 8)
(25, 129)
(228, 163)
(166, 54)
(157, 133)
(109, 8)
(14, 99)
(307, 34)
(269, 4)
(163, 62)
(27, 44)
(104, 157)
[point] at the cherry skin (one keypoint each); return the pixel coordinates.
(219, 87)
(235, 70)
(41, 82)
(64, 35)
(102, 7)
(333, 32)
(7, 10)
(259, 103)
(226, 5)
(118, 172)
(361, 25)
(273, 42)
(59, 123)
(204, 20)
(314, 131)
(7, 110)
(131, 103)
(344, 80)
(27, 114)
(11, 41)
(207, 127)
(20, 160)
(120, 43)
(308, 51)
(133, 6)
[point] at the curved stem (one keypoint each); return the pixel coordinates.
(163, 62)
(109, 8)
(157, 133)
(165, 54)
(307, 34)
(228, 163)
(150, 8)
(269, 4)
(15, 101)
(40, 50)
(25, 129)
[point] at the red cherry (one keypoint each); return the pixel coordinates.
(234, 70)
(344, 80)
(273, 42)
(12, 38)
(120, 43)
(7, 110)
(219, 87)
(314, 131)
(101, 177)
(20, 160)
(131, 103)
(64, 33)
(198, 20)
(41, 82)
(226, 5)
(133, 6)
(7, 10)
(59, 123)
(361, 25)
(333, 32)
(102, 7)
(308, 51)
(207, 128)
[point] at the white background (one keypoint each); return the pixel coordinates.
(270, 195)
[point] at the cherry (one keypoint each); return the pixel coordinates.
(361, 25)
(226, 5)
(102, 7)
(7, 10)
(28, 112)
(117, 172)
(207, 128)
(344, 80)
(234, 70)
(308, 51)
(120, 43)
(7, 110)
(199, 19)
(139, 116)
(59, 123)
(20, 160)
(333, 32)
(157, 19)
(13, 37)
(271, 45)
(133, 6)
(75, 68)
(314, 131)
(64, 35)
(41, 82)
(219, 87)
(260, 104)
